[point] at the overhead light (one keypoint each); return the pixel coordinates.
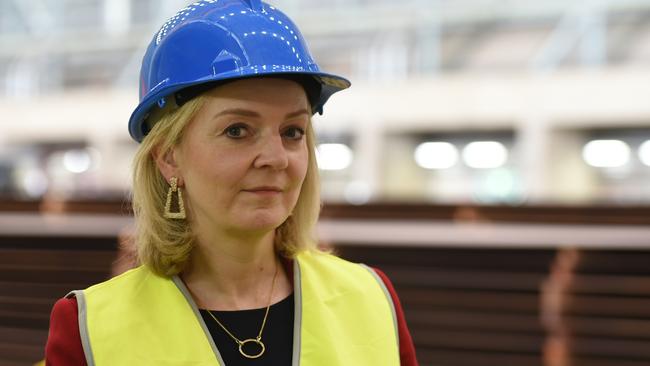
(34, 182)
(436, 155)
(357, 192)
(485, 154)
(644, 152)
(333, 156)
(76, 161)
(606, 153)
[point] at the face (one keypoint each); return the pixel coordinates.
(243, 158)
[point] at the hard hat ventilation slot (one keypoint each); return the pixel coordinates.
(225, 62)
(255, 5)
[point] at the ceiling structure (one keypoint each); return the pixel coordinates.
(51, 46)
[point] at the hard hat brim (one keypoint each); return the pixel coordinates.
(138, 129)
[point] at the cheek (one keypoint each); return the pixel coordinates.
(202, 173)
(215, 163)
(299, 166)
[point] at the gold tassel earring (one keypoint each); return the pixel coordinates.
(180, 214)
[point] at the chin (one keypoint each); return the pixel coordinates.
(263, 221)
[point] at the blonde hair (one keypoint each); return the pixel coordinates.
(164, 245)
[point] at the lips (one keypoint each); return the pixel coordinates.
(264, 189)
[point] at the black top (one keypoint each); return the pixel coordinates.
(245, 324)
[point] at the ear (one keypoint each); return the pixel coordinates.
(167, 164)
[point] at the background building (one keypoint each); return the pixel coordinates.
(433, 81)
(492, 157)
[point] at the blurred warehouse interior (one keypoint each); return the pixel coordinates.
(491, 101)
(487, 158)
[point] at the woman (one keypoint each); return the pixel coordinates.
(225, 195)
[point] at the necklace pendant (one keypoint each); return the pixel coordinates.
(252, 340)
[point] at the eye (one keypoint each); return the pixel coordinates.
(294, 133)
(236, 131)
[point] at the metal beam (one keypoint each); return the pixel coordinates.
(36, 15)
(581, 27)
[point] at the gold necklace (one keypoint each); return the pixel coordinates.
(257, 340)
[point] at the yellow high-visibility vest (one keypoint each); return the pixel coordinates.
(344, 315)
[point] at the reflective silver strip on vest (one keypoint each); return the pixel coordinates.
(297, 315)
(388, 297)
(83, 325)
(195, 309)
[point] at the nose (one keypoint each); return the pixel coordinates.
(272, 153)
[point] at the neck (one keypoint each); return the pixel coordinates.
(235, 272)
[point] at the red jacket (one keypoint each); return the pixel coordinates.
(64, 348)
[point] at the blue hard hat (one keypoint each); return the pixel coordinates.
(214, 41)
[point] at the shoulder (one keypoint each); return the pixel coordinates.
(325, 261)
(64, 341)
(133, 292)
(386, 281)
(406, 346)
(134, 275)
(328, 271)
(65, 309)
(332, 268)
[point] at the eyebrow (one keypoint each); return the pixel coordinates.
(250, 113)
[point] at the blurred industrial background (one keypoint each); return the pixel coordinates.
(453, 101)
(503, 144)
